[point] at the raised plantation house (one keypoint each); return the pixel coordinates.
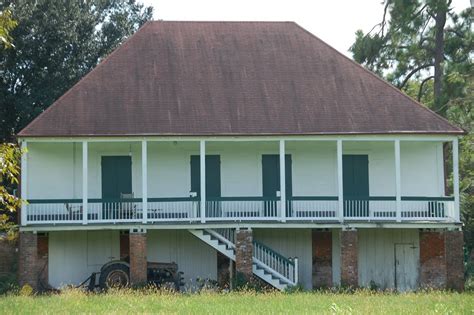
(240, 147)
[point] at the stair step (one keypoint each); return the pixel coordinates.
(260, 269)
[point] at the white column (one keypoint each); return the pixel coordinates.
(84, 181)
(24, 185)
(282, 181)
(144, 182)
(398, 184)
(456, 179)
(202, 159)
(340, 193)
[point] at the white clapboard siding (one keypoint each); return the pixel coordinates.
(73, 256)
(195, 258)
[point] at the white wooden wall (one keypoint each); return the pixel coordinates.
(55, 169)
(195, 258)
(291, 243)
(73, 256)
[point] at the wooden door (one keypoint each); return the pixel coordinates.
(213, 181)
(271, 180)
(405, 267)
(116, 180)
(355, 169)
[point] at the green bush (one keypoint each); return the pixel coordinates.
(8, 283)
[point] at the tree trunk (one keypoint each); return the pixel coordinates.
(441, 11)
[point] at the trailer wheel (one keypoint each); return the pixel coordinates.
(115, 276)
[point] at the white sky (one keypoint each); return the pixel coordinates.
(334, 21)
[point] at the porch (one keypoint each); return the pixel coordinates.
(321, 179)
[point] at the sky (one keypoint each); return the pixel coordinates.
(334, 21)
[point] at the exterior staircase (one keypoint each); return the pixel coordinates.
(268, 265)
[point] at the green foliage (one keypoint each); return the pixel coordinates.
(240, 282)
(10, 156)
(405, 48)
(8, 283)
(56, 43)
(7, 24)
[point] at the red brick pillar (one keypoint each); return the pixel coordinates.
(28, 260)
(138, 258)
(432, 260)
(454, 243)
(244, 252)
(349, 261)
(43, 251)
(322, 259)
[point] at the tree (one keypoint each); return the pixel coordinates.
(424, 40)
(9, 171)
(7, 24)
(57, 43)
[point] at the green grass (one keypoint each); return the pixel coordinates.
(121, 302)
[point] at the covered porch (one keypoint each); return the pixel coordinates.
(259, 179)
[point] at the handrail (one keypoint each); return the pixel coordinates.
(250, 198)
(44, 201)
(258, 244)
(311, 198)
(296, 198)
(284, 268)
(220, 237)
(172, 199)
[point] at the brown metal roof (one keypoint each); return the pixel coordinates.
(231, 78)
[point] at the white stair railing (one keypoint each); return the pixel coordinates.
(226, 236)
(284, 268)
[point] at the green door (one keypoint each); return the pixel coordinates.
(271, 181)
(116, 180)
(213, 181)
(356, 185)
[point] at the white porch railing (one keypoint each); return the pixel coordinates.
(242, 208)
(173, 209)
(256, 209)
(116, 211)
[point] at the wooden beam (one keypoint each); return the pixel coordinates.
(202, 160)
(456, 179)
(340, 186)
(144, 182)
(398, 184)
(282, 182)
(85, 187)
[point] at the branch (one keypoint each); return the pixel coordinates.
(384, 15)
(422, 84)
(412, 72)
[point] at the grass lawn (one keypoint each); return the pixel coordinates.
(120, 302)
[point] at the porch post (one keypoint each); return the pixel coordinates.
(84, 181)
(456, 178)
(144, 182)
(398, 184)
(282, 181)
(339, 181)
(24, 186)
(202, 159)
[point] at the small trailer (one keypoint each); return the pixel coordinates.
(116, 273)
